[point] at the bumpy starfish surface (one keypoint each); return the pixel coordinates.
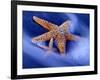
(58, 33)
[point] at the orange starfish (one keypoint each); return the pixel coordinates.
(58, 33)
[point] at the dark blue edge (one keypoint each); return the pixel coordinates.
(14, 39)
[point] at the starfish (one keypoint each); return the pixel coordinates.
(58, 33)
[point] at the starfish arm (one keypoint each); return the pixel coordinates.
(65, 25)
(61, 46)
(47, 25)
(71, 37)
(51, 43)
(43, 37)
(61, 43)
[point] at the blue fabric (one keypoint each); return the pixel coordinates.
(77, 52)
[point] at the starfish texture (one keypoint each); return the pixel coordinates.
(58, 33)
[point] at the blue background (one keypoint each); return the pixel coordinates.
(77, 52)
